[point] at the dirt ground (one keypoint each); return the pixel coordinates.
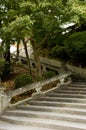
(9, 82)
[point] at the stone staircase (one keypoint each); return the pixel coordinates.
(62, 108)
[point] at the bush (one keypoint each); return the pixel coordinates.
(23, 80)
(76, 48)
(59, 51)
(49, 74)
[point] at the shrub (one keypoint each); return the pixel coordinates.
(23, 80)
(49, 74)
(76, 48)
(59, 51)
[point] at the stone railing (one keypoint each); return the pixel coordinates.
(57, 65)
(77, 70)
(5, 98)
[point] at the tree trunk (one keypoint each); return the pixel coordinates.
(36, 59)
(27, 55)
(37, 63)
(6, 71)
(36, 56)
(17, 55)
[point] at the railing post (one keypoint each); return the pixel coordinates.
(4, 100)
(62, 80)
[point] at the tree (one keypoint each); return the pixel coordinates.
(46, 17)
(9, 12)
(20, 29)
(76, 13)
(39, 21)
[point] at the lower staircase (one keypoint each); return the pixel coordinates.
(63, 108)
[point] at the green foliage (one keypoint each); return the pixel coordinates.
(76, 47)
(23, 80)
(49, 74)
(40, 18)
(60, 52)
(73, 49)
(20, 27)
(64, 2)
(77, 10)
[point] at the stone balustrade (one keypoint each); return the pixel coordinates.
(5, 98)
(57, 66)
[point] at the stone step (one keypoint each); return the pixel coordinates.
(61, 99)
(53, 94)
(62, 108)
(13, 126)
(56, 104)
(73, 88)
(78, 84)
(2, 129)
(45, 123)
(47, 115)
(69, 91)
(66, 110)
(75, 79)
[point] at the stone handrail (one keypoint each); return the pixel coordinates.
(77, 70)
(5, 98)
(36, 85)
(57, 65)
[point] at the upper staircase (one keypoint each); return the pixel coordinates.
(63, 108)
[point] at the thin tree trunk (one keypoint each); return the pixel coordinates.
(17, 55)
(38, 64)
(6, 71)
(36, 59)
(27, 55)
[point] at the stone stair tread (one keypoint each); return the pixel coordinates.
(8, 126)
(50, 107)
(73, 94)
(46, 121)
(61, 108)
(63, 98)
(56, 104)
(66, 95)
(77, 85)
(73, 88)
(10, 113)
(69, 91)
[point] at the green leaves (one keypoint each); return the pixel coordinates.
(21, 27)
(77, 10)
(64, 2)
(76, 47)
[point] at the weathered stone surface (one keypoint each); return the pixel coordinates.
(55, 110)
(5, 98)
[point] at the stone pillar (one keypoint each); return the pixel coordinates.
(43, 68)
(62, 80)
(4, 100)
